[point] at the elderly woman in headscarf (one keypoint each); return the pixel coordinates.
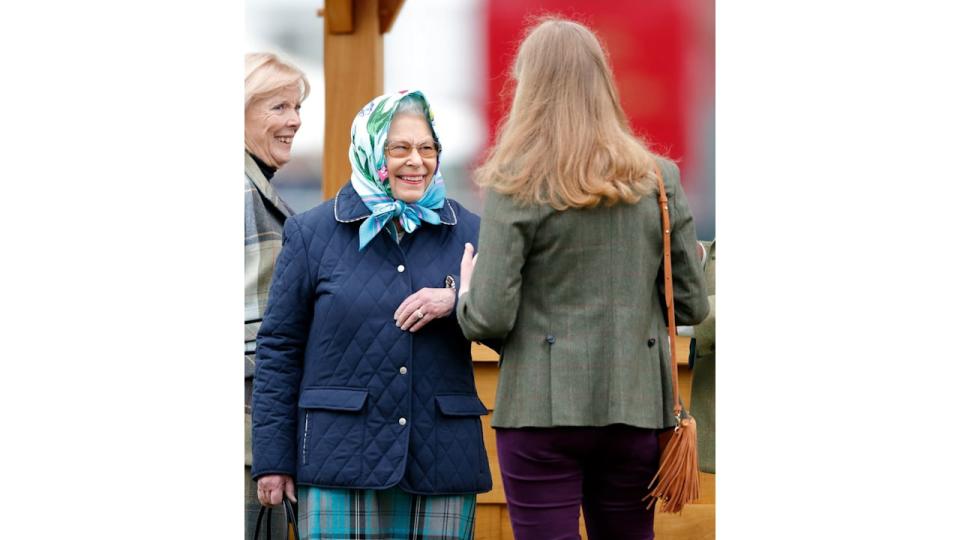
(274, 90)
(365, 408)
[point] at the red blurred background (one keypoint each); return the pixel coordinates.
(662, 55)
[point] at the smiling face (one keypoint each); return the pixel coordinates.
(409, 176)
(270, 123)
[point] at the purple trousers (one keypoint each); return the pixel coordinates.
(548, 473)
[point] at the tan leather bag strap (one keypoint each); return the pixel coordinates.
(668, 291)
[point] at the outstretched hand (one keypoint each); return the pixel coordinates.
(467, 264)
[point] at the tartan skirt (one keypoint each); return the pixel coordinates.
(391, 514)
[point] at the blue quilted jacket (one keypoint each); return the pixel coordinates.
(342, 397)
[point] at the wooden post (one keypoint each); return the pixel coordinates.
(353, 75)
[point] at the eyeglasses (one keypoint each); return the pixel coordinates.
(426, 150)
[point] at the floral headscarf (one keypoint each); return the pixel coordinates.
(368, 135)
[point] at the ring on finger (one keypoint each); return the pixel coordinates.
(418, 313)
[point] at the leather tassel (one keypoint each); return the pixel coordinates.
(678, 478)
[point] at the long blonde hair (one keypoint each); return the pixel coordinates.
(566, 140)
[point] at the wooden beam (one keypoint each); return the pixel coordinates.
(353, 75)
(388, 14)
(339, 15)
(482, 353)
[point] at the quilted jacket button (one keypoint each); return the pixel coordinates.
(403, 421)
(551, 339)
(401, 268)
(403, 370)
(651, 342)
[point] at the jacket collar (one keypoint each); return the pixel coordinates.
(266, 189)
(348, 207)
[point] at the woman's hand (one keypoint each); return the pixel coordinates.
(467, 264)
(424, 306)
(271, 488)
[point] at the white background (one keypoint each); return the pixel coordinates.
(836, 167)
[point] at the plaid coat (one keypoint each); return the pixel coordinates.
(264, 214)
(577, 295)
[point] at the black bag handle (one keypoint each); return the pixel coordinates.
(289, 515)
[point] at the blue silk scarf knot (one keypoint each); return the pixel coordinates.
(385, 208)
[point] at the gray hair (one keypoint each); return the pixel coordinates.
(411, 104)
(415, 106)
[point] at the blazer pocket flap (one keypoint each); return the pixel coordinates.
(461, 405)
(333, 399)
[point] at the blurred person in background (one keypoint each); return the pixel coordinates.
(364, 404)
(703, 385)
(570, 278)
(273, 92)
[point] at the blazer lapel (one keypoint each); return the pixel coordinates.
(267, 190)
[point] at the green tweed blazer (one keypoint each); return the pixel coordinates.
(577, 297)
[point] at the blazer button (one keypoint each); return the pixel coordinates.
(651, 342)
(550, 339)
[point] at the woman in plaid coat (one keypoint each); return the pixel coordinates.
(274, 90)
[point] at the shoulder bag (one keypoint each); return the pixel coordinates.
(678, 478)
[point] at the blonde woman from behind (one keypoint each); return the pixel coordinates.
(568, 277)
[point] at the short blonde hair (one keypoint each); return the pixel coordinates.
(266, 73)
(566, 141)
